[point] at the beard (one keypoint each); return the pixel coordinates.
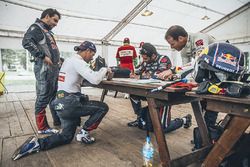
(50, 27)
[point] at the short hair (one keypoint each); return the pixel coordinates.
(176, 31)
(51, 12)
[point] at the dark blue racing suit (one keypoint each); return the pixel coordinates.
(39, 41)
(161, 63)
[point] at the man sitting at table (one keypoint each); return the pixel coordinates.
(154, 63)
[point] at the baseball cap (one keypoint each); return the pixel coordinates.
(86, 45)
(126, 40)
(148, 49)
(142, 43)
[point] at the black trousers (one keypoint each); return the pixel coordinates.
(69, 110)
(168, 125)
(210, 117)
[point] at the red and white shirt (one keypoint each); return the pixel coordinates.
(126, 54)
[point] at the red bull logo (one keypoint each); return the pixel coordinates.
(227, 58)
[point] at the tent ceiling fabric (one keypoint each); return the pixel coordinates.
(103, 15)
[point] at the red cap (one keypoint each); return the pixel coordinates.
(126, 40)
(142, 43)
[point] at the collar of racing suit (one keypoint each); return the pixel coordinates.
(43, 24)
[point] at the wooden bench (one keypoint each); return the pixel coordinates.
(239, 112)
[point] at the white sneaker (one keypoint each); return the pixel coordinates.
(83, 136)
(48, 131)
(126, 96)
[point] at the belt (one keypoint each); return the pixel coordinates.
(61, 94)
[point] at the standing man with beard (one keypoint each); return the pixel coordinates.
(40, 42)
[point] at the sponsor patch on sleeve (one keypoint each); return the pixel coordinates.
(199, 42)
(164, 60)
(61, 77)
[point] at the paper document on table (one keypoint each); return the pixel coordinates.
(146, 81)
(142, 81)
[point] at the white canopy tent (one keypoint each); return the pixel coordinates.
(107, 22)
(234, 27)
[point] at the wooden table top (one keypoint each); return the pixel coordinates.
(141, 84)
(242, 100)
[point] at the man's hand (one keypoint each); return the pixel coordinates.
(109, 74)
(165, 75)
(48, 60)
(109, 70)
(146, 75)
(134, 76)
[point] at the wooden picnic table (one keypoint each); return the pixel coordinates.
(168, 96)
(239, 111)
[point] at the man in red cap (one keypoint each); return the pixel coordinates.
(126, 55)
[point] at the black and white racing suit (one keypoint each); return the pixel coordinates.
(39, 41)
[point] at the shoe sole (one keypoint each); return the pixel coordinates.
(17, 154)
(46, 133)
(132, 125)
(87, 141)
(49, 133)
(187, 126)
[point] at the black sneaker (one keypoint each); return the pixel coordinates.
(134, 123)
(29, 146)
(188, 121)
(142, 124)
